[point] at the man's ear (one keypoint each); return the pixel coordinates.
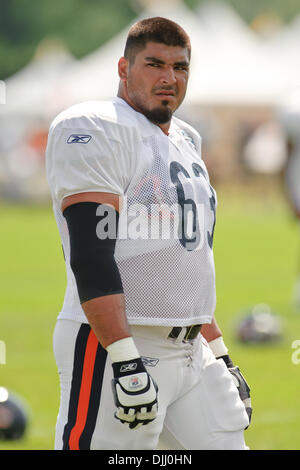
(123, 68)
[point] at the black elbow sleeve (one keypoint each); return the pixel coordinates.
(93, 231)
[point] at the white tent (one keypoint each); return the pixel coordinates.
(284, 47)
(241, 71)
(34, 91)
(33, 96)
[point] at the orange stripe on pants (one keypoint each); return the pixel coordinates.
(85, 391)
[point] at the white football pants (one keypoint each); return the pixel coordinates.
(199, 405)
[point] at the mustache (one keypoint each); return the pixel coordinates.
(166, 88)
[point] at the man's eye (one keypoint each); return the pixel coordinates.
(153, 65)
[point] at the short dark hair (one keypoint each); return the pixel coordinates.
(157, 29)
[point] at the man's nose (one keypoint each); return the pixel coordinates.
(168, 77)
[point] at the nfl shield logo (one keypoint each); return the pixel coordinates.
(135, 383)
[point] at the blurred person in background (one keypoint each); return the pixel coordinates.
(288, 113)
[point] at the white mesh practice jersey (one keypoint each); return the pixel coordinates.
(164, 240)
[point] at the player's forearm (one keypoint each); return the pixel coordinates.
(94, 266)
(107, 317)
(211, 331)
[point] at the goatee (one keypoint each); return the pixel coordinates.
(159, 115)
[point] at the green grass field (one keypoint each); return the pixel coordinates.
(256, 250)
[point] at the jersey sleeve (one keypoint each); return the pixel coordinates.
(83, 159)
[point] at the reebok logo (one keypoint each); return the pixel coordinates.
(187, 138)
(128, 367)
(149, 361)
(79, 139)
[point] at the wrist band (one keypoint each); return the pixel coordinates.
(122, 350)
(218, 347)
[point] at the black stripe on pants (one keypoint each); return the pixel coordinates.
(96, 388)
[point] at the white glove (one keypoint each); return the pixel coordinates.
(135, 393)
(221, 352)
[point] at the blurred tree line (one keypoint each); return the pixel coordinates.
(84, 25)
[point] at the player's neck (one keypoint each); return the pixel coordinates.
(164, 127)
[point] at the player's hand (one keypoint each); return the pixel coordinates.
(135, 393)
(243, 389)
(242, 386)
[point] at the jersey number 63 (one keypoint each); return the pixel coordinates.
(189, 212)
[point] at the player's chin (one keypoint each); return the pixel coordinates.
(161, 114)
